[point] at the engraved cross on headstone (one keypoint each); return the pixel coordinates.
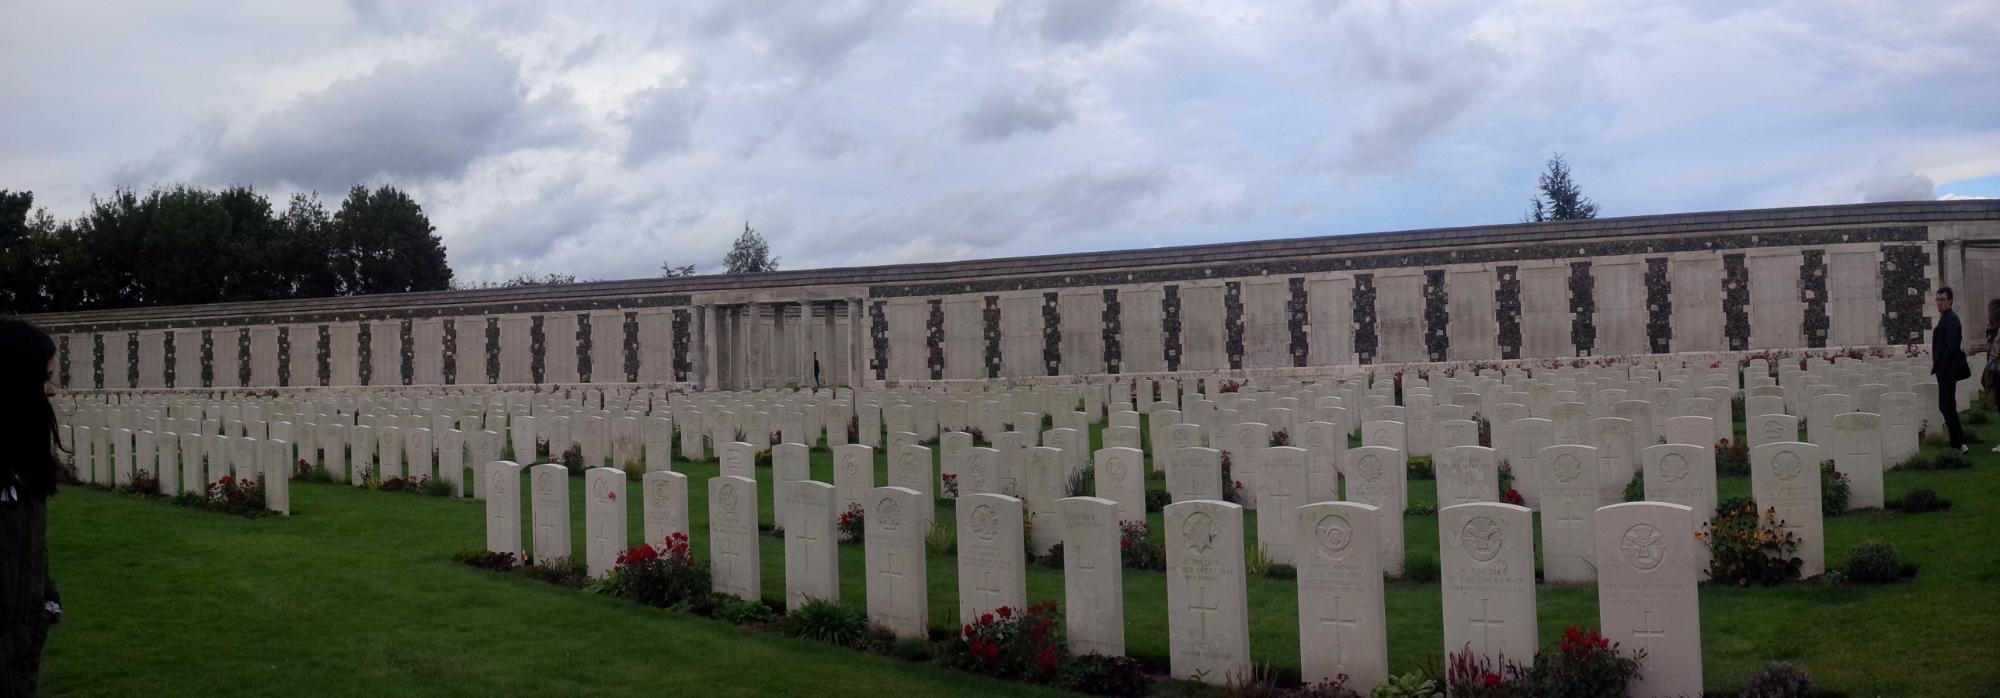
(1568, 521)
(1202, 613)
(1485, 623)
(807, 536)
(1646, 632)
(1335, 621)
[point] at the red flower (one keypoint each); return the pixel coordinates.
(1125, 543)
(985, 619)
(968, 630)
(1492, 679)
(1006, 612)
(612, 495)
(1045, 660)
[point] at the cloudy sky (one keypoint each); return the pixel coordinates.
(599, 139)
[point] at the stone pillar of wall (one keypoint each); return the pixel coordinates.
(152, 359)
(1474, 333)
(1854, 295)
(1620, 315)
(1698, 318)
(857, 342)
(1330, 313)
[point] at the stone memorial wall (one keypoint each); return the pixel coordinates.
(1854, 275)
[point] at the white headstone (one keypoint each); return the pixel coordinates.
(992, 570)
(503, 507)
(1343, 631)
(734, 565)
(1121, 478)
(604, 519)
(1646, 594)
(666, 506)
(898, 596)
(1208, 604)
(550, 485)
(1857, 441)
(812, 555)
(1488, 557)
(1784, 476)
(1570, 494)
(853, 474)
(1093, 574)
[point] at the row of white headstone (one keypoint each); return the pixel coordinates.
(1647, 581)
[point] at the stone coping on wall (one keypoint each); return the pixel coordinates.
(883, 280)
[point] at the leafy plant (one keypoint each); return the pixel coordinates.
(852, 524)
(1582, 665)
(1422, 468)
(1469, 674)
(762, 459)
(940, 542)
(1874, 562)
(1945, 459)
(561, 571)
(1421, 509)
(434, 487)
(1082, 483)
(143, 484)
(1732, 457)
(1100, 675)
(486, 559)
(1833, 490)
(1157, 500)
(1779, 680)
(1978, 417)
(1137, 549)
(826, 621)
(1748, 550)
(745, 613)
(1024, 644)
(662, 576)
(229, 496)
(1411, 685)
(1920, 500)
(572, 458)
(950, 485)
(1635, 488)
(1281, 438)
(1258, 562)
(1051, 558)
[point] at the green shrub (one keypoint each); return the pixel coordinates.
(1421, 468)
(739, 612)
(1874, 562)
(1421, 510)
(1157, 500)
(1833, 490)
(1920, 500)
(1732, 457)
(826, 621)
(1011, 643)
(1978, 417)
(1051, 558)
(1635, 488)
(486, 559)
(1099, 675)
(1779, 680)
(939, 541)
(1083, 483)
(910, 649)
(562, 571)
(1137, 549)
(1946, 459)
(1411, 685)
(1583, 665)
(1422, 569)
(435, 487)
(1746, 549)
(852, 524)
(320, 476)
(665, 576)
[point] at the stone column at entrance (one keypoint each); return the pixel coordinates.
(834, 374)
(710, 366)
(857, 343)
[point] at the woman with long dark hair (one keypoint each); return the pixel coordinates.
(28, 601)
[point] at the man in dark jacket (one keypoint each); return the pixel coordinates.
(1948, 364)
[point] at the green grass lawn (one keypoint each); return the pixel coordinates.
(356, 594)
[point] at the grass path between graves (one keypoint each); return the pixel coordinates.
(356, 594)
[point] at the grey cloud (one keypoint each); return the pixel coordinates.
(1067, 21)
(415, 121)
(967, 222)
(1003, 113)
(661, 122)
(811, 34)
(1422, 110)
(1887, 185)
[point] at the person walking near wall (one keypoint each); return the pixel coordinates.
(29, 604)
(816, 383)
(1949, 366)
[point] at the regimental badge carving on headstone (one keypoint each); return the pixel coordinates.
(985, 522)
(1481, 538)
(1786, 466)
(1674, 467)
(1568, 468)
(1645, 547)
(1335, 533)
(890, 512)
(728, 497)
(1370, 468)
(1198, 532)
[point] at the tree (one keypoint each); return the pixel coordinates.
(749, 255)
(188, 245)
(1560, 198)
(669, 271)
(383, 243)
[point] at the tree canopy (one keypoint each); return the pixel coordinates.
(181, 245)
(1559, 199)
(749, 254)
